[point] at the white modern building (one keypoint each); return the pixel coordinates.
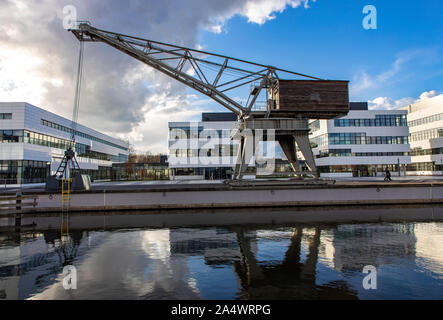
(203, 150)
(363, 143)
(425, 120)
(33, 142)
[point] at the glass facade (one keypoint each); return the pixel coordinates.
(355, 139)
(23, 171)
(426, 120)
(5, 116)
(140, 171)
(103, 173)
(208, 173)
(314, 126)
(11, 136)
(379, 121)
(424, 166)
(25, 136)
(218, 151)
(319, 141)
(427, 134)
(349, 153)
(359, 170)
(426, 152)
(341, 144)
(80, 134)
(177, 133)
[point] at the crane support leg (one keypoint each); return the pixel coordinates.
(239, 162)
(287, 144)
(246, 150)
(303, 143)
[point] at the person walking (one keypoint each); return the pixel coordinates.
(388, 175)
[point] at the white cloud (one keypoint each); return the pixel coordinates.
(152, 133)
(120, 95)
(17, 79)
(262, 11)
(363, 81)
(386, 103)
(256, 11)
(394, 70)
(428, 95)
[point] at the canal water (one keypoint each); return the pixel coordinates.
(292, 261)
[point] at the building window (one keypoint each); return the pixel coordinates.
(429, 119)
(11, 136)
(314, 126)
(80, 134)
(356, 138)
(421, 166)
(22, 172)
(24, 136)
(379, 121)
(427, 134)
(5, 116)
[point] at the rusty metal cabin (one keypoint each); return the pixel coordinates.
(313, 99)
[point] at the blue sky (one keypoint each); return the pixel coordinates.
(401, 59)
(390, 67)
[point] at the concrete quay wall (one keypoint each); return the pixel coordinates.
(242, 197)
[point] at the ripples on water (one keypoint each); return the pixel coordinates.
(268, 262)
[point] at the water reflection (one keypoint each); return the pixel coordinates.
(289, 279)
(235, 262)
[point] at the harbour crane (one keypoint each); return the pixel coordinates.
(288, 103)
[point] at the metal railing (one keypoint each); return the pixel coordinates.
(18, 202)
(7, 183)
(260, 106)
(12, 183)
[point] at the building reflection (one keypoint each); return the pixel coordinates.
(34, 259)
(291, 279)
(428, 247)
(167, 263)
(355, 246)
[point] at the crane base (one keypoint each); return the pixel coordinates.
(81, 182)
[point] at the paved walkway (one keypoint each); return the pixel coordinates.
(167, 184)
(394, 178)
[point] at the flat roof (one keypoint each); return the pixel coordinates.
(219, 116)
(358, 106)
(63, 121)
